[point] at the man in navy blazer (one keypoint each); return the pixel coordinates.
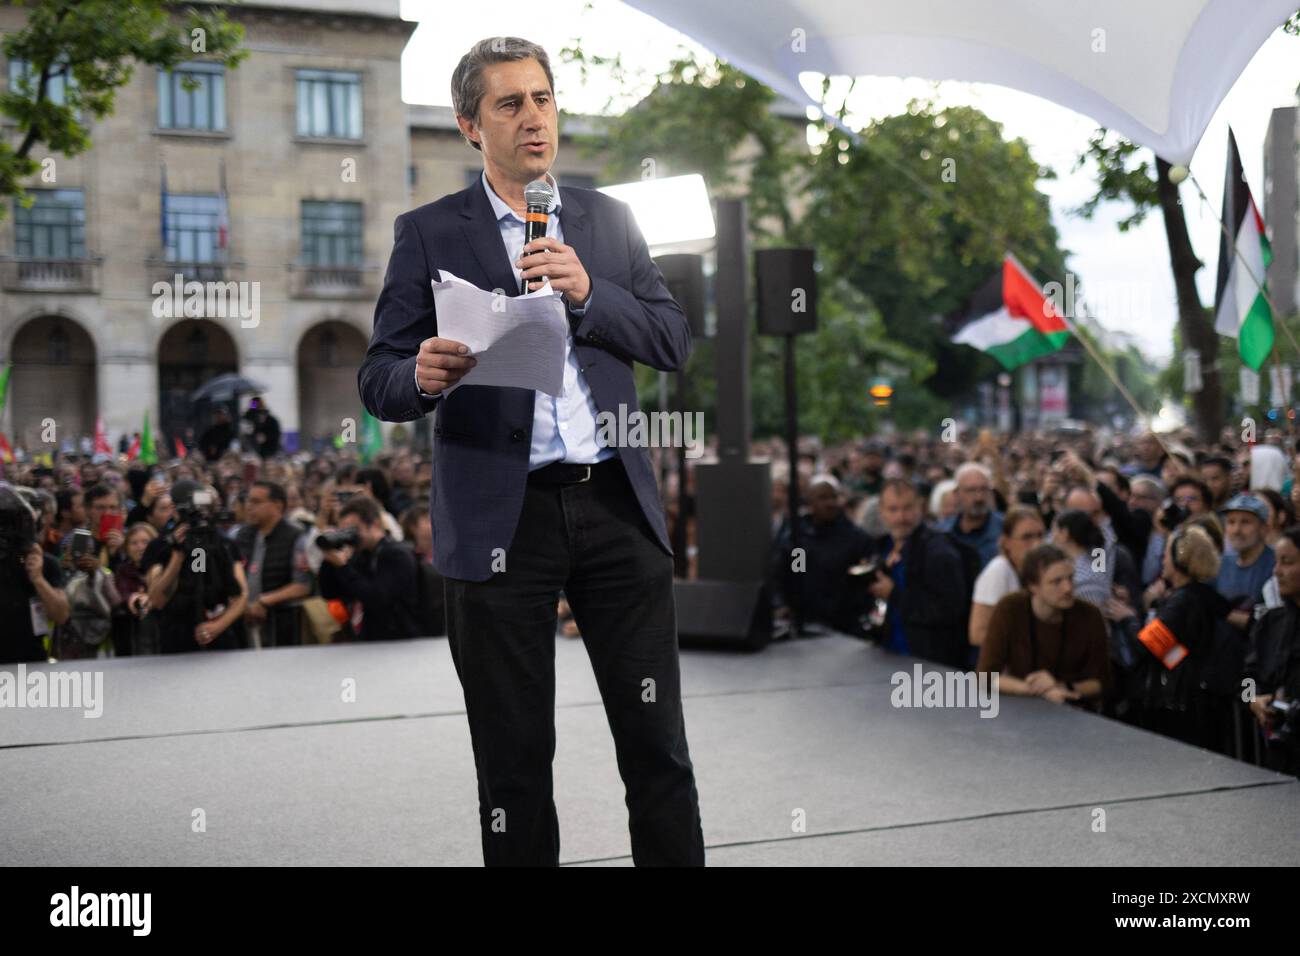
(528, 500)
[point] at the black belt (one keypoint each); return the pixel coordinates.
(568, 473)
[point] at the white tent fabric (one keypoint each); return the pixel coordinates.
(1153, 70)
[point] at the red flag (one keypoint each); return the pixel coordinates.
(6, 453)
(180, 449)
(101, 438)
(134, 451)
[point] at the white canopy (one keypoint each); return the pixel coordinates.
(1153, 70)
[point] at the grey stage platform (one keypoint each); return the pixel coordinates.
(287, 773)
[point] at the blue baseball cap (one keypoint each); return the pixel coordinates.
(1248, 503)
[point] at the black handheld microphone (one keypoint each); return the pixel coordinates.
(538, 196)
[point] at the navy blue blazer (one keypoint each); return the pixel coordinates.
(482, 434)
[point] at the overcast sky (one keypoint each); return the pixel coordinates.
(1112, 263)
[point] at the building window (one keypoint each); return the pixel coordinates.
(580, 180)
(327, 355)
(22, 76)
(193, 227)
(329, 104)
(58, 344)
(196, 345)
(54, 227)
(331, 233)
(203, 107)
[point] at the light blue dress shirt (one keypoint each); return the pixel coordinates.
(564, 427)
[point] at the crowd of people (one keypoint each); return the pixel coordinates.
(110, 557)
(1150, 578)
(1156, 580)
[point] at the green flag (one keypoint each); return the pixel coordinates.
(148, 453)
(4, 386)
(372, 436)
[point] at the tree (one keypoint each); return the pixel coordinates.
(895, 249)
(93, 46)
(920, 213)
(1124, 171)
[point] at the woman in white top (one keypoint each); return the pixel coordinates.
(1022, 531)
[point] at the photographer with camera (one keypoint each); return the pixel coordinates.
(926, 577)
(195, 578)
(89, 554)
(91, 599)
(31, 584)
(824, 590)
(362, 566)
(104, 520)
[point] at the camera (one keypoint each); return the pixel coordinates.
(1172, 515)
(334, 540)
(1285, 731)
(83, 543)
(867, 569)
(198, 518)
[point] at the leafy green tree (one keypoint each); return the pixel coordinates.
(919, 215)
(909, 220)
(93, 46)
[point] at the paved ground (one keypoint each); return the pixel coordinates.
(287, 772)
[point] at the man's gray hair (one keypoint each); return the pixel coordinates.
(467, 83)
(827, 479)
(967, 467)
(1154, 484)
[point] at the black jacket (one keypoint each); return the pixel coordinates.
(383, 580)
(277, 571)
(824, 591)
(1190, 612)
(935, 598)
(1272, 642)
(216, 439)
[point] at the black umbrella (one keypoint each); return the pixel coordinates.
(225, 387)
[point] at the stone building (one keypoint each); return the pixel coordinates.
(274, 184)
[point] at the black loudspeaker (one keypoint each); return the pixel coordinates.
(684, 276)
(735, 614)
(733, 508)
(778, 273)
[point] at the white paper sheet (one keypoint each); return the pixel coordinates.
(518, 340)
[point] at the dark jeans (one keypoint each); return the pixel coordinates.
(591, 540)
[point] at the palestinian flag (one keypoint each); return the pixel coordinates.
(1240, 309)
(1011, 319)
